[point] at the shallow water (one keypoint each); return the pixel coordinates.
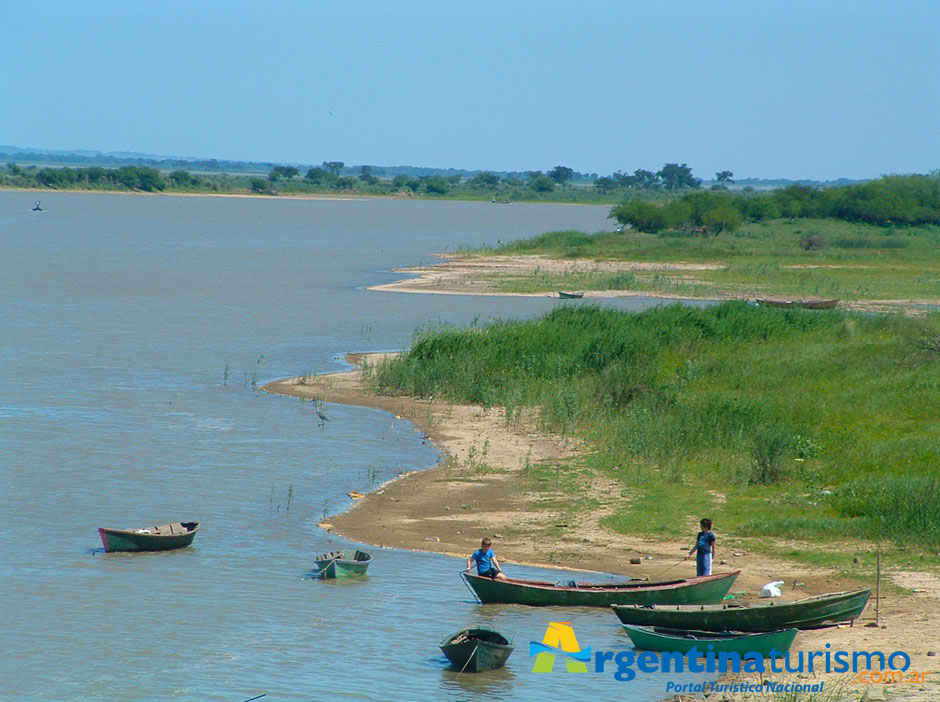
(133, 335)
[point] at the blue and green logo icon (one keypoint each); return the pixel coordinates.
(559, 640)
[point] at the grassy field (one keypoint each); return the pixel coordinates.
(781, 424)
(804, 258)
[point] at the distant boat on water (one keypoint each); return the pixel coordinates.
(37, 207)
(806, 304)
(570, 295)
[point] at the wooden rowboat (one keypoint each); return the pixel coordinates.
(809, 613)
(806, 304)
(165, 537)
(660, 639)
(705, 589)
(570, 295)
(476, 649)
(348, 563)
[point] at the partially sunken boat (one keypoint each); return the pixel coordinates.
(349, 563)
(476, 649)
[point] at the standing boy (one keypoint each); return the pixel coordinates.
(487, 565)
(704, 549)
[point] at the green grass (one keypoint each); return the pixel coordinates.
(809, 425)
(857, 262)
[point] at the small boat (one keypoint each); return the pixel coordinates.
(37, 207)
(809, 613)
(343, 564)
(570, 295)
(476, 649)
(536, 593)
(680, 640)
(165, 537)
(806, 304)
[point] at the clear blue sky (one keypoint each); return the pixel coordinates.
(764, 88)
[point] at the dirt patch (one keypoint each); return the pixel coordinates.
(483, 489)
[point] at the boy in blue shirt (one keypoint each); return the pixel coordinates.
(704, 549)
(487, 565)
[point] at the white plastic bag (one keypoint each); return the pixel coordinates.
(771, 589)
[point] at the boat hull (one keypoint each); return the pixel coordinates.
(805, 304)
(343, 564)
(476, 650)
(161, 538)
(655, 639)
(759, 616)
(703, 590)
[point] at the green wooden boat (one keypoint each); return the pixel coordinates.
(809, 613)
(343, 564)
(705, 589)
(165, 537)
(570, 295)
(476, 649)
(660, 639)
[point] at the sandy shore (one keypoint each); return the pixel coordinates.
(481, 274)
(483, 487)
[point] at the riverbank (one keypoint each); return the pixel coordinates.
(535, 275)
(486, 484)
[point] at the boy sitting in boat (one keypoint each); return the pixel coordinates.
(487, 565)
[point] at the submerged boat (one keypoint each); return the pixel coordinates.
(570, 295)
(705, 589)
(343, 564)
(683, 641)
(806, 304)
(476, 649)
(165, 537)
(808, 613)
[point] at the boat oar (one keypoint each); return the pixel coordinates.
(467, 585)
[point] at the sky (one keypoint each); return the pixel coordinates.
(766, 89)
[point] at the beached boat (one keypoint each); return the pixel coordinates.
(165, 537)
(343, 564)
(705, 589)
(660, 639)
(570, 295)
(476, 649)
(808, 613)
(806, 304)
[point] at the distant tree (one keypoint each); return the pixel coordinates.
(285, 172)
(258, 185)
(532, 175)
(542, 184)
(484, 180)
(334, 167)
(561, 174)
(606, 184)
(454, 179)
(367, 176)
(96, 174)
(722, 218)
(14, 169)
(435, 185)
(319, 176)
(641, 215)
(178, 178)
(640, 179)
(724, 177)
(676, 177)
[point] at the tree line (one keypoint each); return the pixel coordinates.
(894, 199)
